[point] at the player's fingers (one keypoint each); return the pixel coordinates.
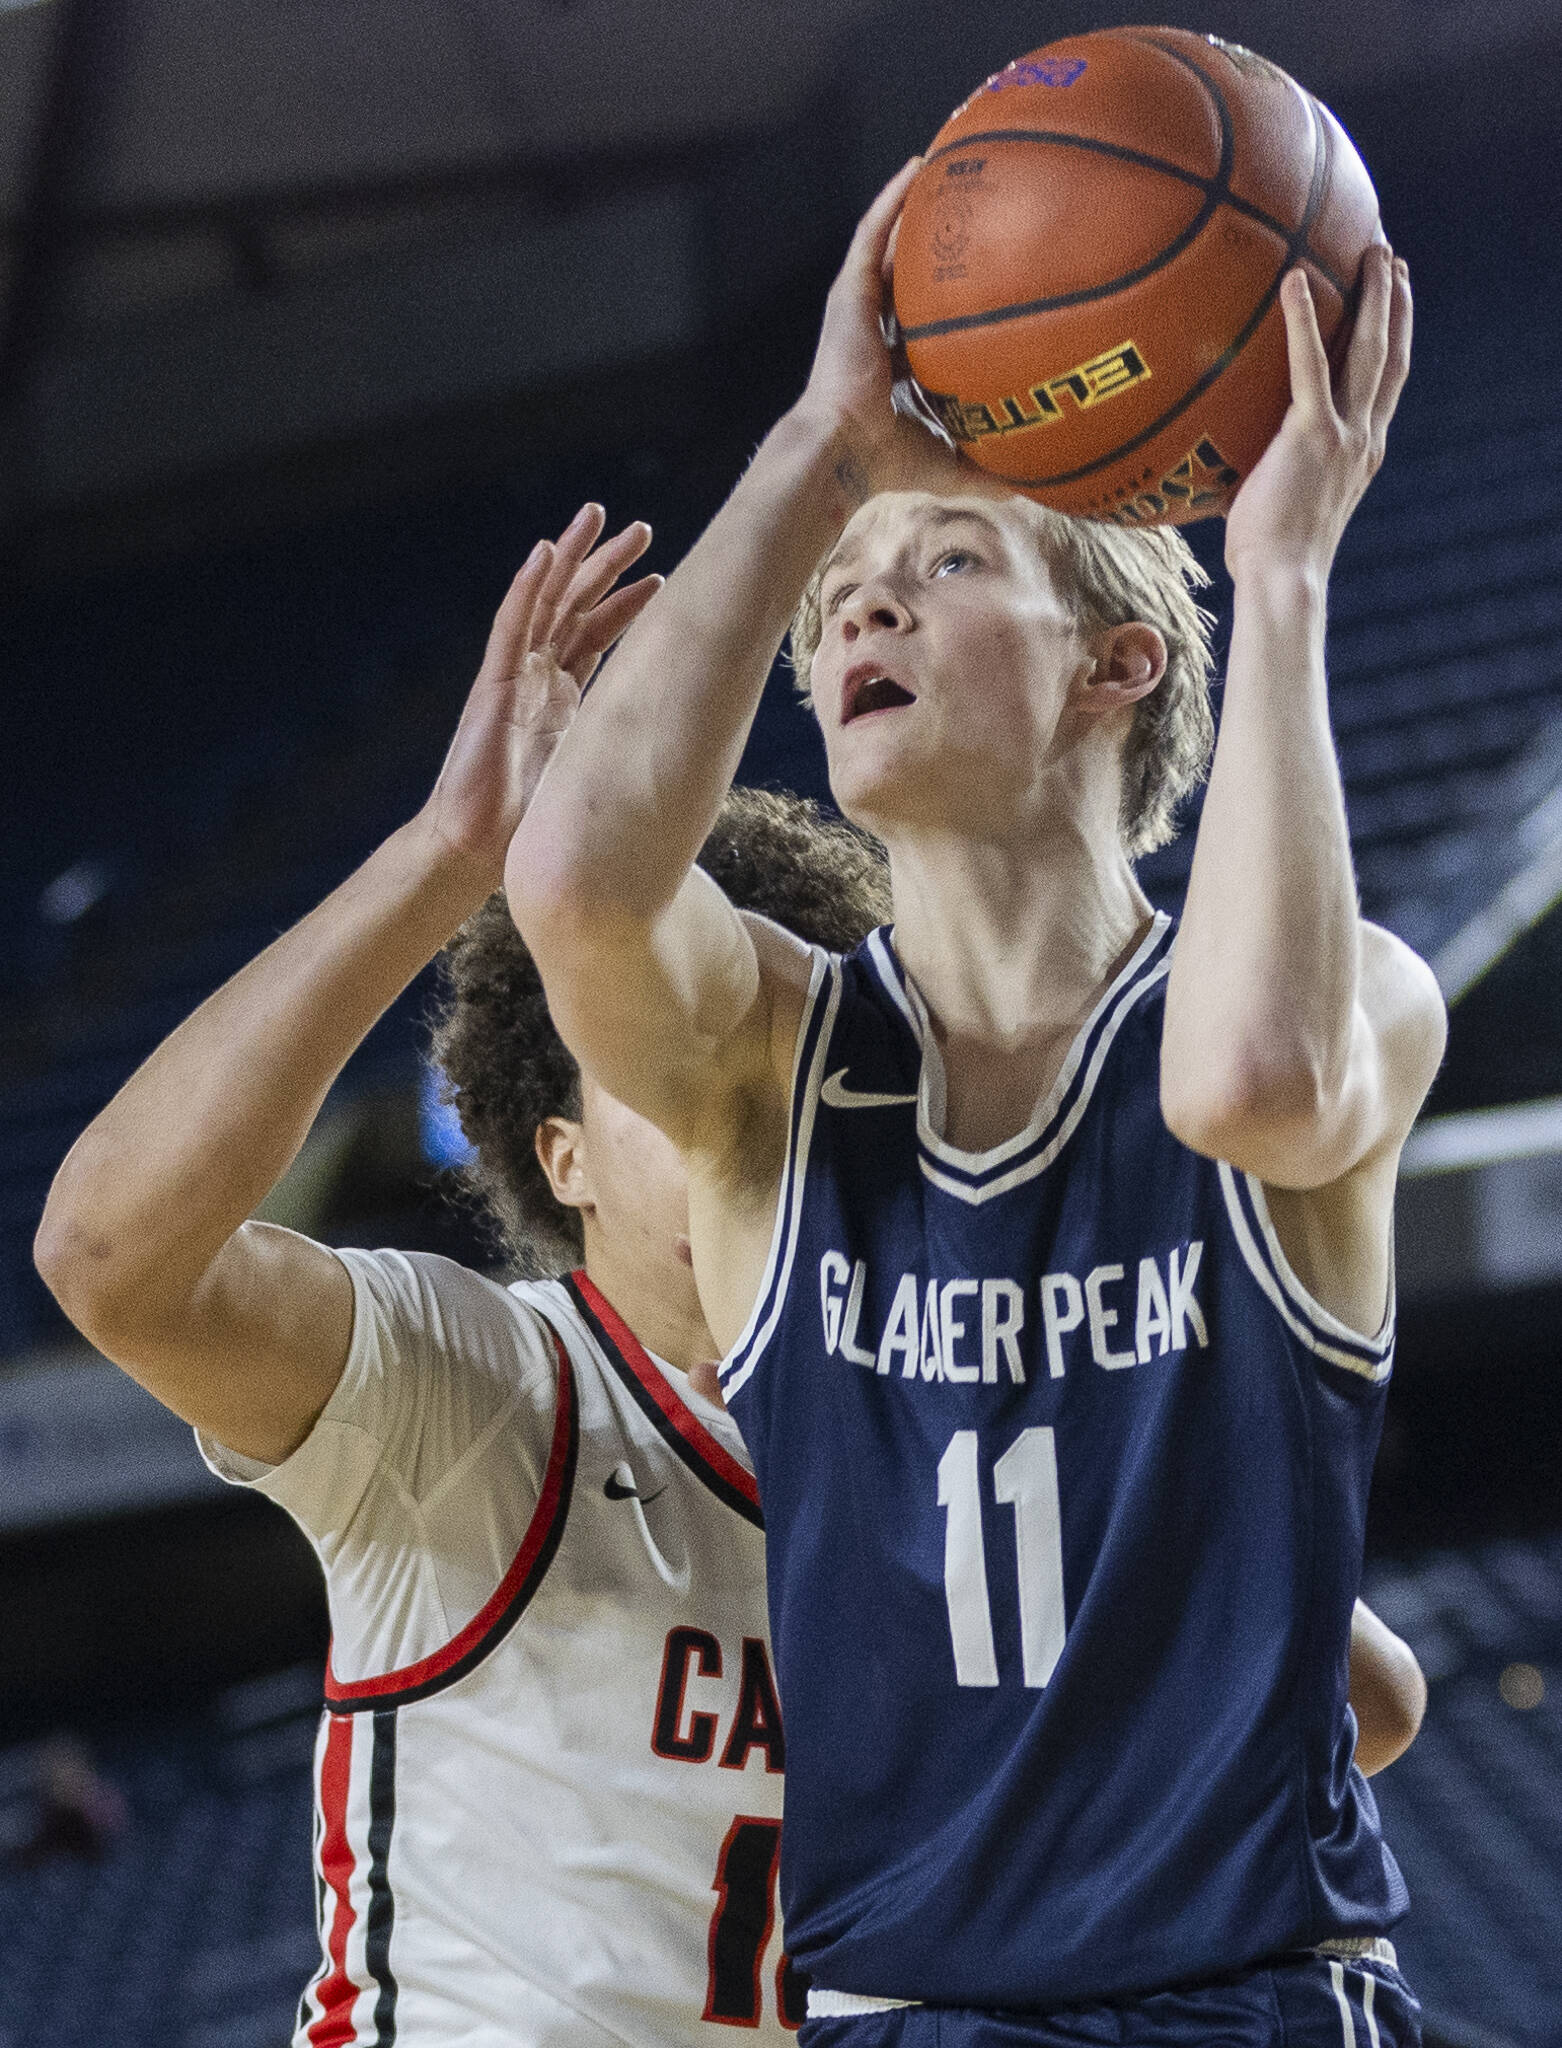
(1397, 366)
(510, 634)
(1304, 348)
(574, 544)
(595, 632)
(869, 245)
(887, 273)
(601, 570)
(1368, 351)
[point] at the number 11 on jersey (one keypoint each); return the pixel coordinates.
(1026, 1479)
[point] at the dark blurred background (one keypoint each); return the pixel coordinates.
(312, 317)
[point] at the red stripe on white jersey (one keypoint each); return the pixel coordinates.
(336, 1994)
(682, 1418)
(550, 1503)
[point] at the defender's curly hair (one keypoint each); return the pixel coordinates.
(506, 1069)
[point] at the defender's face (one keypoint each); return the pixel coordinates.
(945, 662)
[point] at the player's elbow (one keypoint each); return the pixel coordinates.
(77, 1264)
(555, 895)
(574, 908)
(1248, 1108)
(107, 1278)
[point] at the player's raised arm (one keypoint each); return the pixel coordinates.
(1299, 1042)
(652, 977)
(240, 1327)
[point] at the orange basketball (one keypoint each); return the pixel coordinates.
(1088, 272)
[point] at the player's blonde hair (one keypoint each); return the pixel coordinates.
(1114, 575)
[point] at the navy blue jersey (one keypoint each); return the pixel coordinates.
(1064, 1478)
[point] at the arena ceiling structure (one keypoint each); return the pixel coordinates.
(276, 225)
(273, 256)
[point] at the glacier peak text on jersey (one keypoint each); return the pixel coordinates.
(971, 1329)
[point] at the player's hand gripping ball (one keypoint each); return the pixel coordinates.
(1087, 276)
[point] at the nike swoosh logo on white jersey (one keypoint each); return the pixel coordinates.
(619, 1489)
(835, 1092)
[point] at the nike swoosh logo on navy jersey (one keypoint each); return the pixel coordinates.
(615, 1489)
(834, 1091)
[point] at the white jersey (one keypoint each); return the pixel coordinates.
(549, 1769)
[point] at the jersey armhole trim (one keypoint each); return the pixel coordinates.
(672, 1418)
(813, 1044)
(1307, 1319)
(495, 1619)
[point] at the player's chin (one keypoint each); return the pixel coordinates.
(872, 784)
(882, 746)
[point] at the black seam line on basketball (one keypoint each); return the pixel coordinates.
(1297, 239)
(676, 1442)
(1239, 341)
(524, 1594)
(1215, 190)
(380, 1919)
(1195, 391)
(1247, 207)
(1215, 197)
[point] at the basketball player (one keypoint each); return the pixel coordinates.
(550, 1770)
(1051, 1261)
(548, 1801)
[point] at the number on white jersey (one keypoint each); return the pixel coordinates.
(745, 1888)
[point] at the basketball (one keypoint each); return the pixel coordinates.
(1088, 270)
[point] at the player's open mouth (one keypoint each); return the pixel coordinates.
(869, 688)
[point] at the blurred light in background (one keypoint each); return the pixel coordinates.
(73, 893)
(439, 1127)
(1522, 1686)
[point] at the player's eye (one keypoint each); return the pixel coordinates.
(837, 597)
(953, 560)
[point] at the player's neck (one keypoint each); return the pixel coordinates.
(1010, 942)
(655, 1297)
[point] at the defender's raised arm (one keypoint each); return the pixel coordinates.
(241, 1327)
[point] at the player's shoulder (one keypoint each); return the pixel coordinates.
(447, 1313)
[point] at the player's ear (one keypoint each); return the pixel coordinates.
(1129, 661)
(560, 1145)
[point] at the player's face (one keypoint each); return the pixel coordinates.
(946, 662)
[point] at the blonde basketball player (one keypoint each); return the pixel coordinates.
(549, 1774)
(1051, 1260)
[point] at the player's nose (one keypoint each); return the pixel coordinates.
(873, 604)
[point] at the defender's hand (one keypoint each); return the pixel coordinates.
(1292, 510)
(560, 616)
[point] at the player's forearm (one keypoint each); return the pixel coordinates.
(1261, 1011)
(634, 789)
(195, 1140)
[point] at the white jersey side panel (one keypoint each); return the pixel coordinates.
(560, 1823)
